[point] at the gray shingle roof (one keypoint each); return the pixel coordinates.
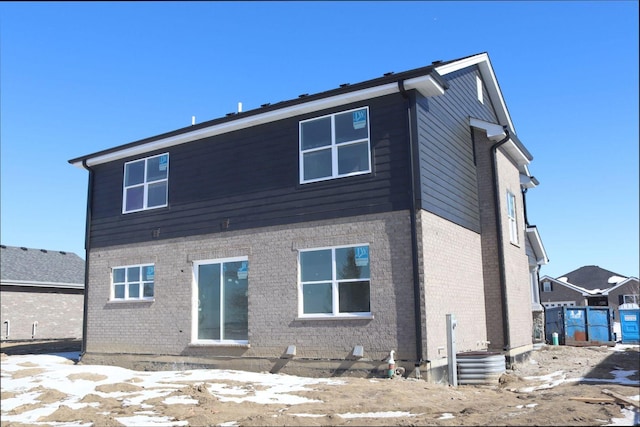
(592, 277)
(40, 266)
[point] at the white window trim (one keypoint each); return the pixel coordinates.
(479, 88)
(512, 217)
(333, 147)
(634, 297)
(194, 306)
(335, 315)
(544, 286)
(144, 184)
(112, 297)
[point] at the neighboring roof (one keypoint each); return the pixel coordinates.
(580, 290)
(22, 266)
(427, 80)
(622, 283)
(593, 277)
(591, 280)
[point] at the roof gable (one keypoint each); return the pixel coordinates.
(593, 277)
(40, 267)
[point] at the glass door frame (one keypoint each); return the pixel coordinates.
(195, 302)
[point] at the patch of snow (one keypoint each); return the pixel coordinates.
(184, 400)
(143, 420)
(391, 414)
(446, 416)
(615, 279)
(631, 418)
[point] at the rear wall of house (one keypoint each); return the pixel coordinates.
(163, 326)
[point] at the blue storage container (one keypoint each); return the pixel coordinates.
(630, 325)
(580, 326)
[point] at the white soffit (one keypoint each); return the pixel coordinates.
(426, 85)
(537, 246)
(495, 132)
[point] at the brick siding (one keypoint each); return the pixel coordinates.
(59, 314)
(163, 327)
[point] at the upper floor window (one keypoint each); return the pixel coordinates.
(511, 213)
(145, 183)
(334, 282)
(546, 286)
(133, 282)
(334, 146)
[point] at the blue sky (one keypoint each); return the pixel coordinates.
(79, 77)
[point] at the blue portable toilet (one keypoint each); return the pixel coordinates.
(630, 325)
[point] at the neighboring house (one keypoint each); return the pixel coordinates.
(591, 286)
(319, 233)
(41, 293)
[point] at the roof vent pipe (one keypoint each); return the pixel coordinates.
(193, 120)
(239, 107)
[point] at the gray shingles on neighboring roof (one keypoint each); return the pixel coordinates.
(40, 266)
(591, 277)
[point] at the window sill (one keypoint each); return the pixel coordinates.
(130, 301)
(341, 317)
(219, 344)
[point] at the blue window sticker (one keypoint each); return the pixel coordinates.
(243, 271)
(163, 162)
(149, 273)
(359, 119)
(362, 256)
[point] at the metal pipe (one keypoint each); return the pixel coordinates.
(414, 231)
(87, 250)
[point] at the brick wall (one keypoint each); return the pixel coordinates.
(518, 288)
(453, 283)
(164, 326)
(515, 258)
(561, 293)
(58, 313)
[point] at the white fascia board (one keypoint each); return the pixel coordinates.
(491, 83)
(537, 246)
(33, 283)
(584, 292)
(517, 155)
(426, 85)
(624, 282)
(495, 132)
(527, 181)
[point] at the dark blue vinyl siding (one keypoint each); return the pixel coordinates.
(249, 178)
(448, 180)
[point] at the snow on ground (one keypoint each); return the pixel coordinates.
(25, 376)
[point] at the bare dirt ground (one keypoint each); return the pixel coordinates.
(559, 385)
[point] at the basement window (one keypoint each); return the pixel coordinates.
(145, 183)
(335, 146)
